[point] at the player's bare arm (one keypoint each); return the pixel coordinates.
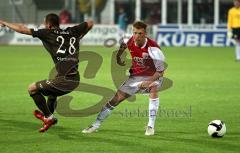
(16, 27)
(149, 83)
(90, 24)
(2, 23)
(121, 49)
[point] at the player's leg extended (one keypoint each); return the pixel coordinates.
(237, 50)
(106, 111)
(39, 99)
(153, 108)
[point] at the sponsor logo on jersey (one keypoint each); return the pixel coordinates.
(141, 60)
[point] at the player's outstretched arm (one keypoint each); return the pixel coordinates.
(16, 27)
(89, 27)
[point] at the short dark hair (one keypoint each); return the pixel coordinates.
(53, 19)
(140, 25)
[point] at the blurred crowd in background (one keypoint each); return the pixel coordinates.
(109, 11)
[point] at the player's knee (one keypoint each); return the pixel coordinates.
(153, 95)
(114, 101)
(154, 92)
(154, 88)
(32, 88)
(118, 98)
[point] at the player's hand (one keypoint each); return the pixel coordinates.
(229, 34)
(145, 84)
(2, 23)
(120, 62)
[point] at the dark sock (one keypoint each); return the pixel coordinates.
(41, 103)
(52, 103)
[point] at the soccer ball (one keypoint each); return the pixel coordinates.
(216, 128)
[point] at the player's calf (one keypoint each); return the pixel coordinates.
(52, 103)
(39, 99)
(32, 88)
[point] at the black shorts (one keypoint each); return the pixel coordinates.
(236, 33)
(59, 86)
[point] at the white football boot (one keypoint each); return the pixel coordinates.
(90, 129)
(149, 131)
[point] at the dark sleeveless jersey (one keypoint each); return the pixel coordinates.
(63, 46)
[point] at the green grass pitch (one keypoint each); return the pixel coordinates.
(205, 87)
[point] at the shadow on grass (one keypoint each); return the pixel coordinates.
(16, 125)
(197, 139)
(8, 125)
(128, 137)
(181, 137)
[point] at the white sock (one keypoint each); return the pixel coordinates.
(49, 117)
(238, 50)
(105, 112)
(153, 108)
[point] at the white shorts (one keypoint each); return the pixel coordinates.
(130, 86)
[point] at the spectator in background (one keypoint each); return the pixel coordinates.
(153, 15)
(122, 22)
(65, 17)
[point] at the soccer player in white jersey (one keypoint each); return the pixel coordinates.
(146, 76)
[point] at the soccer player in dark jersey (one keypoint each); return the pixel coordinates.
(146, 76)
(63, 46)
